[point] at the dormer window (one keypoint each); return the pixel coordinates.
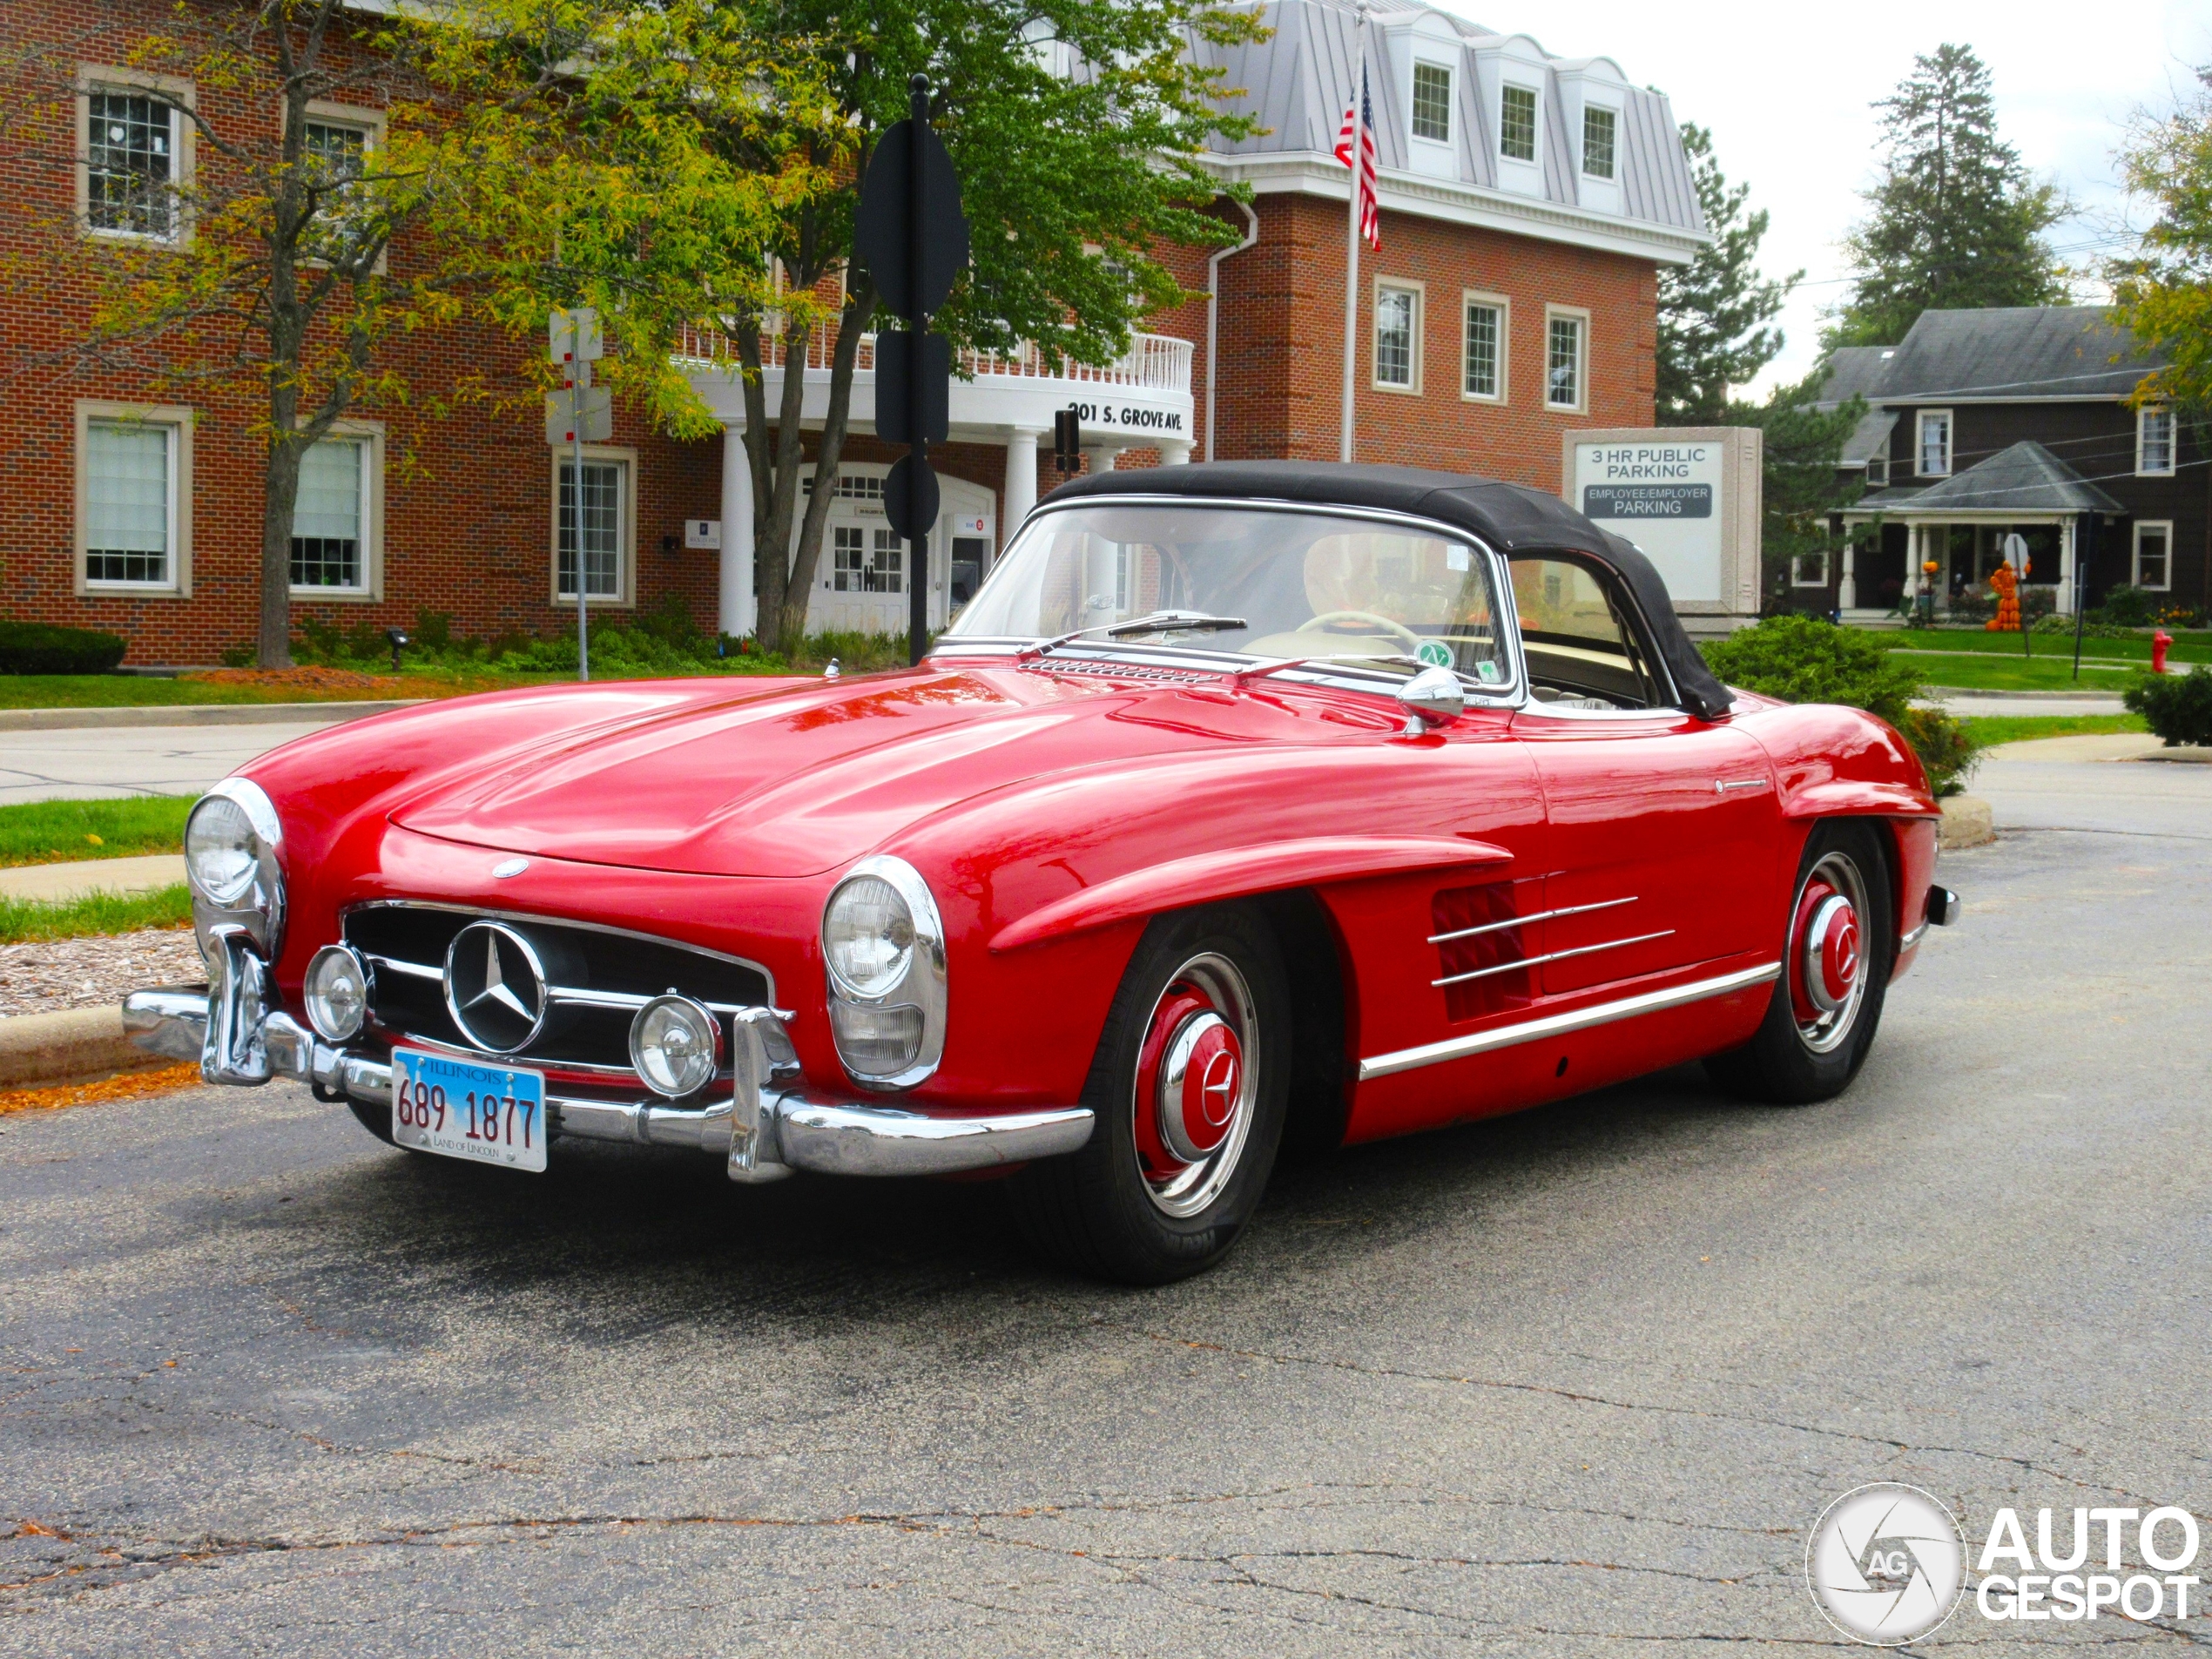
(1517, 124)
(1878, 469)
(1432, 103)
(1598, 127)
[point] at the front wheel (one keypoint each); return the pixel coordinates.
(1838, 947)
(1190, 1084)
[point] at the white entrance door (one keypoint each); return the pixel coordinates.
(860, 583)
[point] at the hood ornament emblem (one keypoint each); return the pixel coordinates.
(506, 868)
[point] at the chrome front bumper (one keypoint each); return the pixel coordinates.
(770, 1125)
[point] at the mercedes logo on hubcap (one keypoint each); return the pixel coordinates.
(495, 987)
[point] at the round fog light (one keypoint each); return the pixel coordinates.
(337, 992)
(675, 1044)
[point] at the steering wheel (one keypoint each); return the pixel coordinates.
(1396, 630)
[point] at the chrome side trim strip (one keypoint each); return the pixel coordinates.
(1627, 1007)
(1534, 915)
(1549, 956)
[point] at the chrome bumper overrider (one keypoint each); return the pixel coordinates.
(772, 1125)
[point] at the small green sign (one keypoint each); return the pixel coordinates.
(1436, 653)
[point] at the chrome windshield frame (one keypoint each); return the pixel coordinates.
(1343, 675)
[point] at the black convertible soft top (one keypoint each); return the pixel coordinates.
(1510, 517)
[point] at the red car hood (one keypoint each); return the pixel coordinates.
(797, 781)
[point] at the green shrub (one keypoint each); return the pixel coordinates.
(40, 648)
(1802, 661)
(2178, 707)
(2127, 607)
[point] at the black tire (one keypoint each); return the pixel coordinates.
(377, 1120)
(1794, 1062)
(1104, 1211)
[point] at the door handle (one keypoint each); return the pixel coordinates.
(1727, 785)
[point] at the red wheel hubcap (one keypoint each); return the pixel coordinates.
(1190, 1079)
(1824, 962)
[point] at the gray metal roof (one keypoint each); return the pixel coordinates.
(1853, 371)
(1870, 437)
(2012, 352)
(1298, 81)
(2026, 478)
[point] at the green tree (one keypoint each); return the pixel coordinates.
(1078, 129)
(1956, 222)
(2162, 291)
(264, 269)
(1800, 486)
(1716, 314)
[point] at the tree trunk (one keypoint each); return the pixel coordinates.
(280, 496)
(772, 552)
(860, 306)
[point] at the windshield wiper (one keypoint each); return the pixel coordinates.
(1159, 621)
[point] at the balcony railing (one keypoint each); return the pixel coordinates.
(1153, 362)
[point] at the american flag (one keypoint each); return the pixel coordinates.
(1362, 115)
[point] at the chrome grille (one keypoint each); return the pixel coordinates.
(598, 978)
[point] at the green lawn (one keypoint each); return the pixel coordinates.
(134, 691)
(1988, 728)
(97, 913)
(1980, 673)
(2188, 646)
(56, 831)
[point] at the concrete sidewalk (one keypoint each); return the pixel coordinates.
(89, 763)
(50, 883)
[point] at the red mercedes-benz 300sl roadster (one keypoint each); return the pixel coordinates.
(1244, 804)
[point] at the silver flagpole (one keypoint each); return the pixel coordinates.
(1352, 242)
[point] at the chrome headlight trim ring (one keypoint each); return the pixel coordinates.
(259, 911)
(922, 986)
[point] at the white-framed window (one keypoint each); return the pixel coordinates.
(133, 499)
(339, 141)
(338, 524)
(1878, 469)
(1809, 569)
(605, 534)
(1398, 335)
(2155, 443)
(1483, 350)
(1431, 103)
(867, 559)
(2154, 561)
(1600, 127)
(1517, 123)
(134, 154)
(1932, 443)
(1566, 343)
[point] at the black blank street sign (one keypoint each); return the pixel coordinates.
(1647, 501)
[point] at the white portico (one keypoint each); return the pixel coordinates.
(1143, 401)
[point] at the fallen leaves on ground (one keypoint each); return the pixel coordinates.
(130, 1085)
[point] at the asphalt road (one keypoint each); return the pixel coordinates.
(1573, 1382)
(89, 763)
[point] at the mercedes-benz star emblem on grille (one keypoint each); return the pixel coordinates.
(495, 987)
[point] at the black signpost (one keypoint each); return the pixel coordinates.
(1067, 441)
(911, 232)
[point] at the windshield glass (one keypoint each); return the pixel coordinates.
(1305, 584)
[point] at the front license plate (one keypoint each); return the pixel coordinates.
(488, 1114)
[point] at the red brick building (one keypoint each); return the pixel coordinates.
(1528, 203)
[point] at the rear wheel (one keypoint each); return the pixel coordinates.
(1837, 951)
(1189, 1085)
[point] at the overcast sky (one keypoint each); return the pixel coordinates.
(1785, 88)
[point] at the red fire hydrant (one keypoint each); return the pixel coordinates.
(2160, 643)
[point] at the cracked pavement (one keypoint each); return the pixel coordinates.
(1575, 1381)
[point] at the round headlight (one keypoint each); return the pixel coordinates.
(221, 851)
(337, 992)
(675, 1044)
(868, 935)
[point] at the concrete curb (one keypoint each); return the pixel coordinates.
(2082, 694)
(77, 1045)
(329, 713)
(1966, 822)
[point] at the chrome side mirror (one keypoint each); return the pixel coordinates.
(1431, 698)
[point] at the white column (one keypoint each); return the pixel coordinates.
(1174, 453)
(1847, 590)
(1021, 481)
(1101, 455)
(735, 611)
(2066, 566)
